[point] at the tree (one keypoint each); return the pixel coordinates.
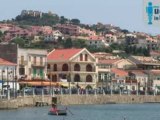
(63, 20)
(1, 34)
(75, 21)
(79, 43)
(68, 43)
(125, 31)
(19, 41)
(146, 52)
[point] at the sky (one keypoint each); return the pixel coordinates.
(127, 14)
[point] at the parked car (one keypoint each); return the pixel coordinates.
(27, 90)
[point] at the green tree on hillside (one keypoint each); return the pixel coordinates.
(79, 43)
(68, 43)
(1, 34)
(19, 41)
(75, 21)
(63, 20)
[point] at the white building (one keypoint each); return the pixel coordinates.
(32, 63)
(7, 73)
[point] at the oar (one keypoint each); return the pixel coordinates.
(69, 111)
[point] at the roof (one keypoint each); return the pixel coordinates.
(7, 63)
(155, 72)
(108, 61)
(138, 72)
(62, 54)
(155, 53)
(119, 72)
(96, 38)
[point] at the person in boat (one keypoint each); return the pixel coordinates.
(54, 108)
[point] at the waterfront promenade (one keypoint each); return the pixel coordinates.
(24, 101)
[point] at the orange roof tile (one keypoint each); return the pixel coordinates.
(62, 54)
(138, 72)
(7, 63)
(119, 72)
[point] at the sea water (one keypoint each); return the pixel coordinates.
(88, 112)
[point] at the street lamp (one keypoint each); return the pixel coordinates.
(2, 80)
(69, 81)
(15, 86)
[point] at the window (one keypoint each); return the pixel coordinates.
(89, 68)
(41, 60)
(81, 57)
(34, 72)
(55, 67)
(65, 67)
(41, 73)
(35, 60)
(86, 57)
(22, 71)
(22, 59)
(88, 78)
(48, 66)
(77, 78)
(76, 67)
(49, 77)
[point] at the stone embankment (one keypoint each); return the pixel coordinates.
(79, 99)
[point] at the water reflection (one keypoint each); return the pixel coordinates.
(88, 112)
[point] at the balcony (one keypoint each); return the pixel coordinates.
(38, 64)
(23, 63)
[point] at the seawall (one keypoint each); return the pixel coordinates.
(79, 99)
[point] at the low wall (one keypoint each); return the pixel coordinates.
(106, 99)
(78, 99)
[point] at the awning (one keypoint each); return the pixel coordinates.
(39, 83)
(66, 84)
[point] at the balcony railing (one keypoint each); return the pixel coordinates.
(38, 64)
(22, 62)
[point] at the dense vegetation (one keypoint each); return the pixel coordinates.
(52, 19)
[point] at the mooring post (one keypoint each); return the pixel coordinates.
(24, 94)
(8, 94)
(33, 92)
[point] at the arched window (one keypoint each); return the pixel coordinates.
(88, 78)
(77, 67)
(54, 78)
(55, 67)
(48, 66)
(65, 67)
(89, 68)
(76, 78)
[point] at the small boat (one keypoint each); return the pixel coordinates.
(60, 112)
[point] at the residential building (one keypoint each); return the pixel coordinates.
(53, 37)
(95, 41)
(145, 63)
(110, 39)
(154, 80)
(7, 73)
(68, 29)
(32, 64)
(72, 67)
(141, 77)
(118, 79)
